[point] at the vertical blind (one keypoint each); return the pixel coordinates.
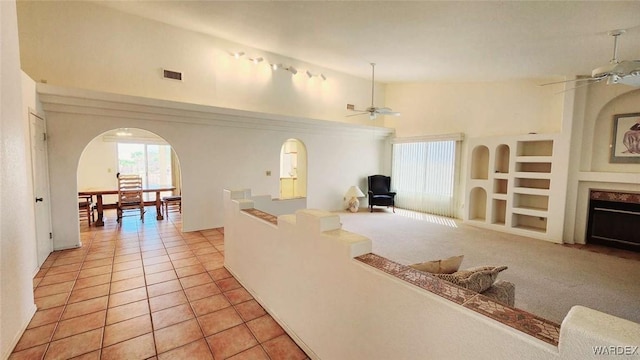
(423, 175)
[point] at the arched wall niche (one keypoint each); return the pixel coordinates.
(293, 169)
(480, 162)
(600, 151)
(478, 204)
(502, 159)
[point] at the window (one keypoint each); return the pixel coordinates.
(152, 162)
(424, 176)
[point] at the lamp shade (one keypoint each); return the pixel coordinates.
(354, 191)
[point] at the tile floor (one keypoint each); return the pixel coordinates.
(147, 291)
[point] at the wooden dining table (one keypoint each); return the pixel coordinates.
(100, 206)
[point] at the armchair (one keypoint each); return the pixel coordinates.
(380, 193)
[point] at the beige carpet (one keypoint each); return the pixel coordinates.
(549, 278)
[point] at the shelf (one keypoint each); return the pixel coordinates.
(534, 159)
(500, 186)
(515, 195)
(534, 167)
(530, 228)
(530, 211)
(535, 148)
(499, 211)
(532, 175)
(530, 223)
(530, 191)
(542, 184)
(609, 177)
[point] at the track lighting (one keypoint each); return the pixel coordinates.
(310, 75)
(275, 66)
(292, 70)
(237, 54)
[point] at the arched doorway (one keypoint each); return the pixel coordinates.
(293, 169)
(127, 151)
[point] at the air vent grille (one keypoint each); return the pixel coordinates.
(174, 75)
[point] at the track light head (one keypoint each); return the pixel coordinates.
(257, 60)
(309, 74)
(237, 54)
(292, 70)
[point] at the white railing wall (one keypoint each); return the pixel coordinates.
(303, 273)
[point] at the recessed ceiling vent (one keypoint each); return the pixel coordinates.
(174, 75)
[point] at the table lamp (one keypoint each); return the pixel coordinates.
(353, 194)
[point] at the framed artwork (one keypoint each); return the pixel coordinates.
(625, 146)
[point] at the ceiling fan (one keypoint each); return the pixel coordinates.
(616, 72)
(372, 110)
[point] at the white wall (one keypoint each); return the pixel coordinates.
(84, 45)
(17, 222)
(98, 166)
(475, 109)
(217, 149)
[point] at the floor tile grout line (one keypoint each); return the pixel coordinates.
(117, 239)
(51, 340)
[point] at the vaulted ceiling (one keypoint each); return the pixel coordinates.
(418, 40)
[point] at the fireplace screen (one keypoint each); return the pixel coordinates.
(614, 220)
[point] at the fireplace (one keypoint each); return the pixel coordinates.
(614, 219)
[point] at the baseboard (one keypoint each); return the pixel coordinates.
(275, 317)
(14, 341)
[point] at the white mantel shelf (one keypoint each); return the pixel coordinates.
(611, 177)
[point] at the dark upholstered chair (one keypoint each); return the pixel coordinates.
(380, 193)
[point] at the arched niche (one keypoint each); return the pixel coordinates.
(293, 169)
(480, 162)
(478, 204)
(129, 151)
(598, 151)
(502, 159)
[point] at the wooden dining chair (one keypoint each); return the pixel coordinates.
(171, 203)
(85, 208)
(130, 195)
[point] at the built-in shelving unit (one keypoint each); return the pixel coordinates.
(509, 184)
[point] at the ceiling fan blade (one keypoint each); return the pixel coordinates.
(387, 111)
(579, 86)
(360, 113)
(571, 80)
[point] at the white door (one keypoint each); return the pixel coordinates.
(44, 242)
